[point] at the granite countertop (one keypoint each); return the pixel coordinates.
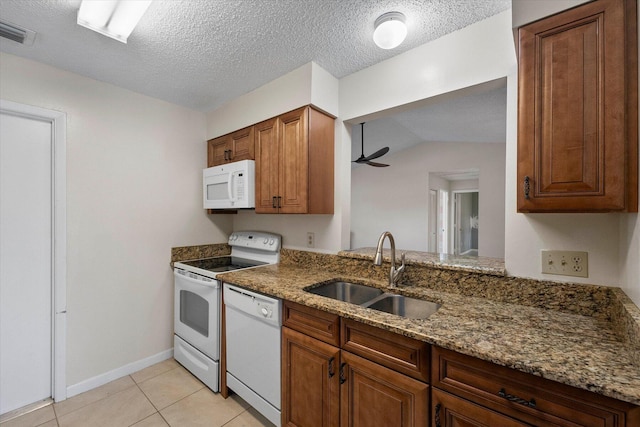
(472, 264)
(579, 350)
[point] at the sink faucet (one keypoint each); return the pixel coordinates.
(395, 273)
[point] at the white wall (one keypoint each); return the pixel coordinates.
(133, 191)
(396, 198)
(309, 84)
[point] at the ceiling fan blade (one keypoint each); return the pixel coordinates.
(381, 152)
(378, 165)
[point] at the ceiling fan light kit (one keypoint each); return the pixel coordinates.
(367, 159)
(390, 30)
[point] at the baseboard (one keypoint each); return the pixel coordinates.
(125, 370)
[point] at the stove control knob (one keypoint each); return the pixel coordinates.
(265, 240)
(271, 242)
(264, 312)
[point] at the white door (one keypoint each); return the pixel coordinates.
(26, 187)
(433, 221)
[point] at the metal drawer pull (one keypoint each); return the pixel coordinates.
(273, 202)
(342, 377)
(331, 372)
(511, 398)
(527, 187)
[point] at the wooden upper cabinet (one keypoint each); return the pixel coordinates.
(578, 110)
(294, 163)
(233, 147)
(294, 153)
(267, 166)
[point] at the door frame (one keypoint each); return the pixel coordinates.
(58, 121)
(456, 217)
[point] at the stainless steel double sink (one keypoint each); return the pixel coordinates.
(376, 299)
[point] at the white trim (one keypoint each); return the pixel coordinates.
(58, 122)
(125, 370)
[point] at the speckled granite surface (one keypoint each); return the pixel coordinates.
(184, 253)
(485, 265)
(581, 335)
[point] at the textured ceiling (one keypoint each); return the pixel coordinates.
(203, 53)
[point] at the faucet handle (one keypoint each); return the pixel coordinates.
(402, 259)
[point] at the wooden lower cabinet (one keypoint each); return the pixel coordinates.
(452, 411)
(483, 388)
(310, 381)
(325, 384)
(374, 396)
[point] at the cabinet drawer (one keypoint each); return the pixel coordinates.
(523, 396)
(313, 322)
(400, 353)
(448, 411)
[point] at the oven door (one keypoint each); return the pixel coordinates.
(197, 312)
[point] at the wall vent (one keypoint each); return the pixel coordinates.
(17, 34)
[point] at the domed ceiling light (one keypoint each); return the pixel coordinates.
(390, 30)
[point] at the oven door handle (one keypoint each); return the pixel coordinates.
(213, 284)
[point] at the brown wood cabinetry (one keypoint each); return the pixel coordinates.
(310, 381)
(452, 411)
(578, 110)
(375, 396)
(294, 163)
(402, 354)
(485, 390)
(323, 385)
(233, 147)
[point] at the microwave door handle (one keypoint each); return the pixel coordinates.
(230, 187)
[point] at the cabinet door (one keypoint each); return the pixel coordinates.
(451, 411)
(577, 110)
(310, 381)
(218, 151)
(375, 396)
(267, 155)
(294, 166)
(242, 145)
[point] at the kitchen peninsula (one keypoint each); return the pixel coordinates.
(583, 336)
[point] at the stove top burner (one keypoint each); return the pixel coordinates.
(223, 263)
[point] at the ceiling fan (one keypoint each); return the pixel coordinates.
(367, 160)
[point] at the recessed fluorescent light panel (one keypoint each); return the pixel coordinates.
(112, 18)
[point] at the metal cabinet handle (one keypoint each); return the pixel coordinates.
(343, 379)
(230, 154)
(527, 187)
(273, 202)
(225, 154)
(511, 398)
(279, 202)
(331, 371)
(437, 415)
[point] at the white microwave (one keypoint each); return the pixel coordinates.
(230, 186)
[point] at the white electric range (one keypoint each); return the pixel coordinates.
(197, 303)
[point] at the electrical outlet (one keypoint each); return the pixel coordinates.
(311, 240)
(565, 263)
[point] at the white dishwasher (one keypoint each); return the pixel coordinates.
(252, 326)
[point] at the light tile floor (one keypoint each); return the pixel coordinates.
(161, 395)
